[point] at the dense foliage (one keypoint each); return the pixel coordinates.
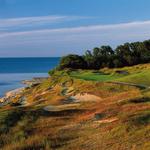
(73, 61)
(128, 54)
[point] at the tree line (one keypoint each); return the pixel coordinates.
(128, 54)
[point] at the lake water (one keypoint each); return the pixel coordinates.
(14, 70)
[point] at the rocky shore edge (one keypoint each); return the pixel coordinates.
(14, 93)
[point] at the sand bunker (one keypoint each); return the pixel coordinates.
(85, 98)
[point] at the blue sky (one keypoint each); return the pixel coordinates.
(30, 28)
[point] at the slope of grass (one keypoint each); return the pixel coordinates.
(142, 78)
(130, 70)
(139, 74)
(82, 126)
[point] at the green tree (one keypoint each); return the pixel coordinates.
(127, 54)
(72, 61)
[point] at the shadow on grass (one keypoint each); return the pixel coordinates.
(62, 141)
(136, 101)
(141, 119)
(11, 118)
(99, 73)
(140, 100)
(26, 117)
(99, 116)
(62, 113)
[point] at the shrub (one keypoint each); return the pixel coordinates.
(72, 61)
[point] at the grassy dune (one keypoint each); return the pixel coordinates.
(119, 120)
(138, 78)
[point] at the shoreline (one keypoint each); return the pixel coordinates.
(34, 81)
(13, 93)
(9, 95)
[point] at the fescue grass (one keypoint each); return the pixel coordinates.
(23, 128)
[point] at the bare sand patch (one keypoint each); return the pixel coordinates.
(86, 98)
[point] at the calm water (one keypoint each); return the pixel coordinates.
(14, 70)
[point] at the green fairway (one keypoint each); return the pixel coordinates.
(136, 75)
(94, 76)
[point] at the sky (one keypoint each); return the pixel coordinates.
(53, 28)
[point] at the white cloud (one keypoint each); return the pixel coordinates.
(36, 21)
(67, 40)
(133, 26)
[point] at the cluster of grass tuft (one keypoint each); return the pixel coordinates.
(142, 118)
